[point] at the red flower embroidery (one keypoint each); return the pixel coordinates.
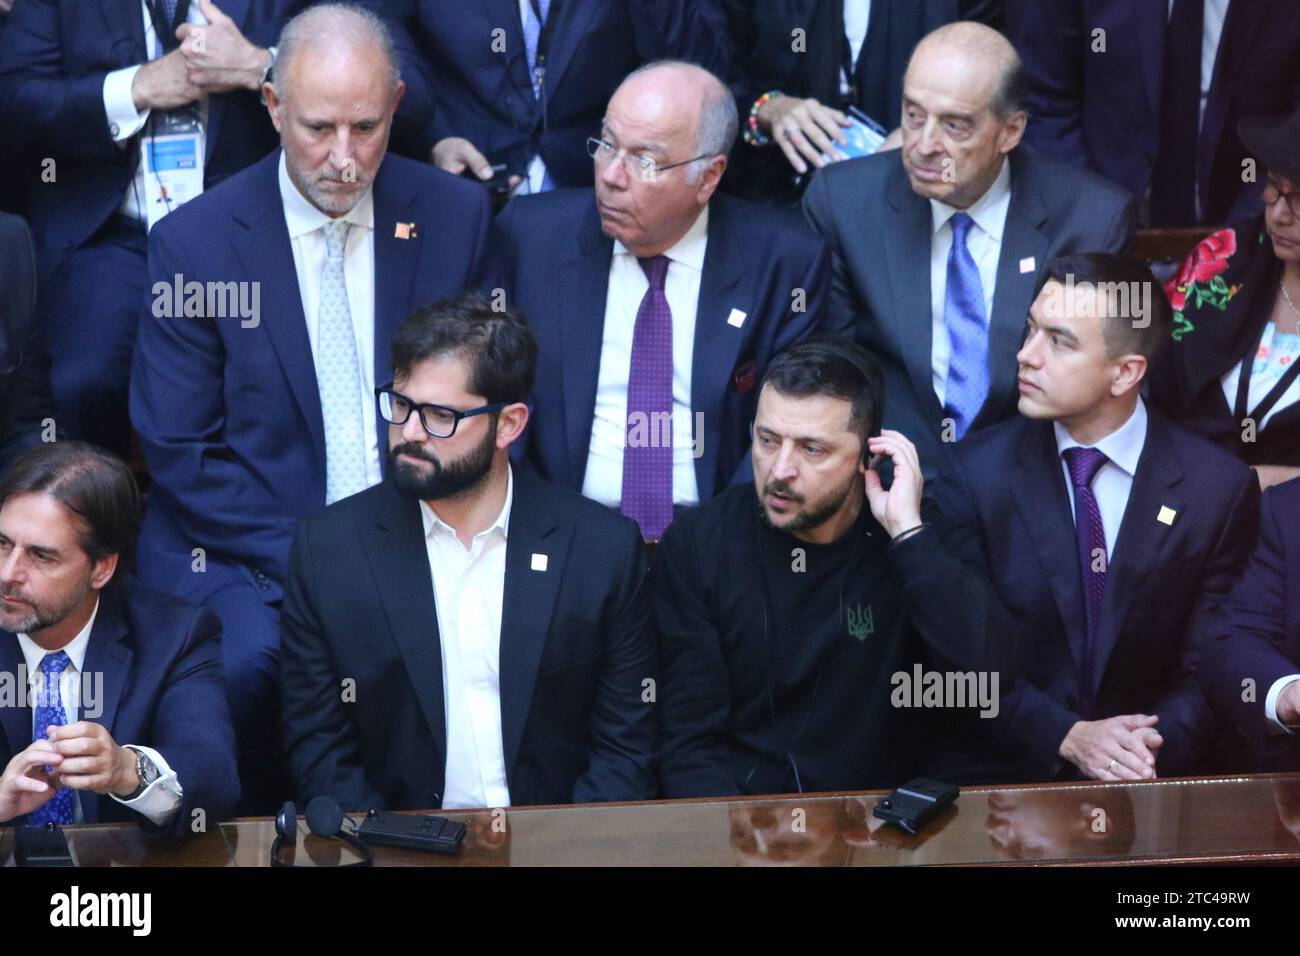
(1207, 260)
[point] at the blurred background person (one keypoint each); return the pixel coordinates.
(25, 402)
(1232, 371)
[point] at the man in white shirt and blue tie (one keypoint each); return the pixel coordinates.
(114, 708)
(936, 278)
(251, 422)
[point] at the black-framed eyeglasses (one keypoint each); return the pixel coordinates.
(438, 420)
(1273, 191)
(634, 165)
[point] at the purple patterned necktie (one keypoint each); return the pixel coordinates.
(1083, 464)
(648, 461)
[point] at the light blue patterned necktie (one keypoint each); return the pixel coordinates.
(968, 333)
(338, 375)
(50, 713)
(532, 37)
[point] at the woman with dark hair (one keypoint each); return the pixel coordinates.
(1233, 371)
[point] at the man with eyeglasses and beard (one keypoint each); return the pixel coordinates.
(794, 611)
(490, 631)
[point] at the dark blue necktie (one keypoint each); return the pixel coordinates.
(50, 713)
(963, 313)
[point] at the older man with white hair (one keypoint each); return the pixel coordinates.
(656, 303)
(274, 298)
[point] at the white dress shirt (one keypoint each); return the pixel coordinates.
(468, 591)
(984, 242)
(124, 121)
(857, 19)
(162, 798)
(627, 286)
(1114, 479)
(307, 236)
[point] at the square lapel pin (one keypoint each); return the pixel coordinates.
(1166, 515)
(539, 562)
(405, 230)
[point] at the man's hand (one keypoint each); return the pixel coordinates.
(218, 57)
(24, 785)
(899, 508)
(92, 760)
(456, 155)
(804, 129)
(1117, 748)
(1288, 704)
(163, 84)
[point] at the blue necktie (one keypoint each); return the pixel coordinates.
(532, 37)
(50, 713)
(963, 313)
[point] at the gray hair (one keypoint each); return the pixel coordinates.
(719, 120)
(330, 25)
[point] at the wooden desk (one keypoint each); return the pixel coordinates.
(1221, 819)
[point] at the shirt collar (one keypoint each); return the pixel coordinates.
(1122, 447)
(33, 653)
(689, 249)
(502, 523)
(302, 217)
(989, 211)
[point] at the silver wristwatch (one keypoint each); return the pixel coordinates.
(145, 769)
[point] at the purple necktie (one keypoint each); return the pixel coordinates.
(1083, 464)
(648, 460)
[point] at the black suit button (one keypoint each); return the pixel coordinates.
(1070, 702)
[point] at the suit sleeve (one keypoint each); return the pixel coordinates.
(44, 109)
(1246, 640)
(694, 30)
(1122, 230)
(842, 307)
(1028, 720)
(177, 405)
(322, 743)
(193, 732)
(1185, 719)
(624, 729)
(695, 703)
(411, 136)
(1050, 40)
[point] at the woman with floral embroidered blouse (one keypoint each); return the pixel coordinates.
(1232, 372)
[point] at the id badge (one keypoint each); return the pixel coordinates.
(173, 163)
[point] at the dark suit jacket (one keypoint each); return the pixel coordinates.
(54, 56)
(1256, 636)
(161, 664)
(931, 606)
(1079, 98)
(25, 399)
(576, 646)
(466, 70)
(1162, 582)
(880, 273)
(229, 418)
(765, 58)
(1223, 296)
(555, 268)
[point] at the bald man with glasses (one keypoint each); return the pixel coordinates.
(656, 303)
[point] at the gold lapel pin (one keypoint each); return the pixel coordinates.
(405, 230)
(1166, 515)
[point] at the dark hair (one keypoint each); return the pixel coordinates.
(836, 367)
(498, 346)
(93, 484)
(1125, 329)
